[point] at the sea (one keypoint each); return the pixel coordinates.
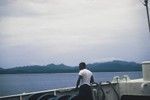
(11, 84)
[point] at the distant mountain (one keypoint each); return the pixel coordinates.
(1, 68)
(51, 68)
(113, 66)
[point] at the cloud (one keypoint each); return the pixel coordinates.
(68, 31)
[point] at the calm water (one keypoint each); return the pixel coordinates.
(20, 83)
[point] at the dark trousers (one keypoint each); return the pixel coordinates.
(85, 93)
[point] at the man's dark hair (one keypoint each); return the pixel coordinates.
(82, 65)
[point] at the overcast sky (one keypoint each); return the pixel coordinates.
(39, 32)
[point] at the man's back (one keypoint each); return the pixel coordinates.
(86, 76)
(84, 79)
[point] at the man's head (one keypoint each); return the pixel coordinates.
(82, 65)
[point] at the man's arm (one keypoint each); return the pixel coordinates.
(78, 81)
(92, 79)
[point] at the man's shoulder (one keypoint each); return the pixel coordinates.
(87, 71)
(82, 71)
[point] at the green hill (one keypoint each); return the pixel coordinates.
(113, 66)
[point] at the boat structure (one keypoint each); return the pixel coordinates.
(120, 88)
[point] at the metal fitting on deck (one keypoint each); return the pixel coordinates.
(145, 87)
(146, 70)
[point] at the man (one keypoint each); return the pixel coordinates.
(85, 79)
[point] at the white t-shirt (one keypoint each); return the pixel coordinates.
(86, 76)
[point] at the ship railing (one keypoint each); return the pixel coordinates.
(99, 91)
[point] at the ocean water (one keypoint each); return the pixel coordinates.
(11, 84)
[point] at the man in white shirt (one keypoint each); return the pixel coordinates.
(84, 80)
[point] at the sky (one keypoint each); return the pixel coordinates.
(40, 32)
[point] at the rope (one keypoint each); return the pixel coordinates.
(113, 89)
